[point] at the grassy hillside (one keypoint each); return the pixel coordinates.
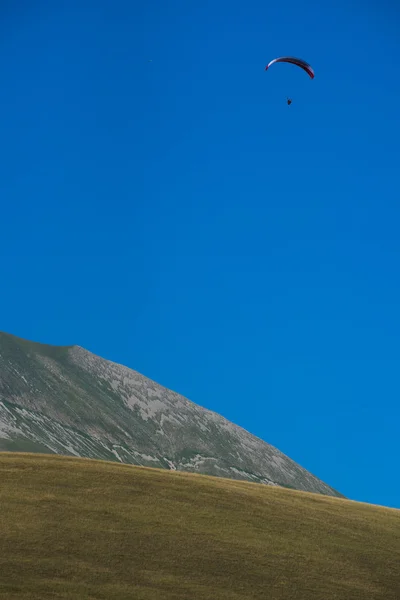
(77, 528)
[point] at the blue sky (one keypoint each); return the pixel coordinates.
(178, 217)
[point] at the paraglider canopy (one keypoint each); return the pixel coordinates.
(294, 61)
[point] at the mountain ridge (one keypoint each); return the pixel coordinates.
(67, 400)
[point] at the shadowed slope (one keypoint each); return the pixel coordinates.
(76, 528)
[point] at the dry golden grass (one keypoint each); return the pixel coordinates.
(75, 528)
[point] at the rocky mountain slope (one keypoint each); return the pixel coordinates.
(66, 400)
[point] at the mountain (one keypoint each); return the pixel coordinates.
(66, 400)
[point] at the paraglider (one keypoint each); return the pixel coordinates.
(294, 61)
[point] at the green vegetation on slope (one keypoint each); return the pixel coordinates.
(77, 528)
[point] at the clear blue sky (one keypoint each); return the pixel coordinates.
(178, 217)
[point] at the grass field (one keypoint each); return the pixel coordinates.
(75, 528)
